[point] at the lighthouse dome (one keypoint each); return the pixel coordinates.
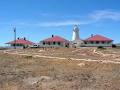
(76, 28)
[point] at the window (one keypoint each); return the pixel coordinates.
(91, 42)
(103, 42)
(53, 43)
(108, 42)
(48, 43)
(43, 43)
(85, 42)
(74, 43)
(97, 42)
(59, 43)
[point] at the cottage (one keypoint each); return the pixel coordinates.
(54, 41)
(97, 40)
(20, 43)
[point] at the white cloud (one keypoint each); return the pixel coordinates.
(51, 23)
(105, 15)
(61, 23)
(93, 17)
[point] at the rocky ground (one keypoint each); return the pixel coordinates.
(29, 73)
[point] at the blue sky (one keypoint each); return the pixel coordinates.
(39, 19)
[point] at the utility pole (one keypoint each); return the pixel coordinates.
(14, 37)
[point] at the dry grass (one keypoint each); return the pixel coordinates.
(28, 73)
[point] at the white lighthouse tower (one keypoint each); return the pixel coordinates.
(76, 41)
(75, 33)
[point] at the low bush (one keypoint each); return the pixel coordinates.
(101, 47)
(114, 46)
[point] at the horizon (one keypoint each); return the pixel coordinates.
(37, 20)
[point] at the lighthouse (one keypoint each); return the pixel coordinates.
(76, 41)
(75, 35)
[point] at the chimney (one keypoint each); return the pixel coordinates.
(18, 38)
(52, 35)
(24, 38)
(92, 35)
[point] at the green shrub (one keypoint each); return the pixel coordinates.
(100, 47)
(29, 56)
(114, 46)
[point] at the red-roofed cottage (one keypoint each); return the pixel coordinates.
(20, 43)
(54, 41)
(98, 40)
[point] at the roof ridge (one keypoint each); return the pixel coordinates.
(98, 37)
(55, 38)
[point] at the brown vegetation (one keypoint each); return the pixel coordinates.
(29, 73)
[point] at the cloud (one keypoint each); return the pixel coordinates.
(93, 17)
(90, 18)
(105, 15)
(50, 23)
(61, 23)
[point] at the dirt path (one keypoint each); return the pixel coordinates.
(107, 55)
(117, 61)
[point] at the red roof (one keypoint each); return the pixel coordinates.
(98, 38)
(55, 39)
(21, 41)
